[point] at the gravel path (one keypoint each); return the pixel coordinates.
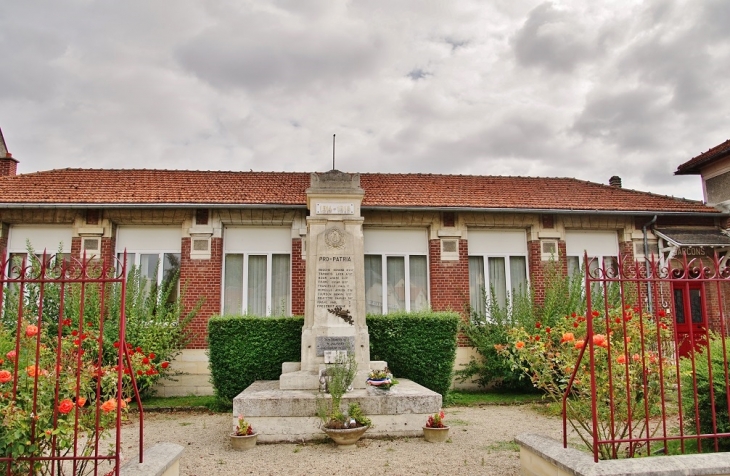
(481, 443)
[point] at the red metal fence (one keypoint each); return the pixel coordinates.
(656, 357)
(65, 377)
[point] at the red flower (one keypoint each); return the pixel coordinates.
(519, 344)
(5, 376)
(81, 401)
(139, 372)
(145, 360)
(537, 338)
(165, 365)
(600, 340)
(621, 359)
(139, 349)
(31, 330)
(65, 406)
(575, 324)
(661, 313)
(636, 357)
(152, 356)
(567, 337)
(109, 405)
(547, 329)
(538, 325)
(618, 320)
(11, 355)
(116, 345)
(595, 313)
(579, 344)
(74, 332)
(572, 314)
(77, 341)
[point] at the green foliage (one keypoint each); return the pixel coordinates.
(243, 349)
(706, 400)
(419, 346)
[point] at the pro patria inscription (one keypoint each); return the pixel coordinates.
(335, 282)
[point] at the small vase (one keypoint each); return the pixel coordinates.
(243, 442)
(346, 437)
(436, 435)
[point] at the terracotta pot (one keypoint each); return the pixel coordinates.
(436, 435)
(347, 437)
(243, 442)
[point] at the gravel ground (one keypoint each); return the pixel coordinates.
(481, 442)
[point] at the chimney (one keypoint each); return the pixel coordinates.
(8, 165)
(615, 181)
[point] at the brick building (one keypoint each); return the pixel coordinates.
(430, 240)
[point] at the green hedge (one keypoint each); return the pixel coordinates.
(417, 346)
(243, 349)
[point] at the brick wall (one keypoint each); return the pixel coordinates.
(298, 277)
(538, 267)
(449, 281)
(201, 278)
(8, 167)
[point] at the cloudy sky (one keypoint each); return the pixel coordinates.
(568, 88)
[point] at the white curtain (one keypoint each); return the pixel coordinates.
(498, 280)
(396, 271)
(518, 275)
(417, 268)
(476, 285)
(256, 285)
(373, 284)
(233, 284)
(280, 285)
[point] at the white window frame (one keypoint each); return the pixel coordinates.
(42, 237)
(489, 244)
(398, 243)
(598, 244)
(257, 241)
(149, 240)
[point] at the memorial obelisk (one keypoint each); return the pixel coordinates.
(334, 316)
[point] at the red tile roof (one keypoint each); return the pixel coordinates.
(694, 165)
(206, 188)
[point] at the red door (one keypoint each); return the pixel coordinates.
(690, 316)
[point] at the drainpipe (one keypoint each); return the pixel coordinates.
(648, 263)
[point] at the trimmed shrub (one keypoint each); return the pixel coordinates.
(243, 349)
(419, 346)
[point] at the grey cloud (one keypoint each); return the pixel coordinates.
(417, 74)
(553, 39)
(629, 119)
(264, 50)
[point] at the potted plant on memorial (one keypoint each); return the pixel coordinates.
(345, 429)
(381, 379)
(435, 430)
(244, 437)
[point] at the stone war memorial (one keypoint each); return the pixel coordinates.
(334, 326)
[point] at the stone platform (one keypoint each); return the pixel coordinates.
(290, 415)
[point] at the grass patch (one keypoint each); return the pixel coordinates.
(190, 402)
(467, 398)
(502, 446)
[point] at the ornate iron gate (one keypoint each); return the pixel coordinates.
(657, 356)
(65, 377)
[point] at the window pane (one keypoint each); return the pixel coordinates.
(518, 275)
(148, 269)
(498, 281)
(396, 271)
(373, 284)
(280, 285)
(476, 285)
(233, 285)
(15, 264)
(679, 305)
(573, 266)
(419, 282)
(130, 261)
(256, 285)
(695, 305)
(171, 275)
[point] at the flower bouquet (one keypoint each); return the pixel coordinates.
(435, 431)
(244, 437)
(382, 379)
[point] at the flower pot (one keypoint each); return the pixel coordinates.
(347, 437)
(436, 435)
(243, 442)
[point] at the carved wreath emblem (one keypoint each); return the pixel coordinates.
(334, 238)
(342, 313)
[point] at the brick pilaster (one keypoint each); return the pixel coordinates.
(298, 277)
(201, 279)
